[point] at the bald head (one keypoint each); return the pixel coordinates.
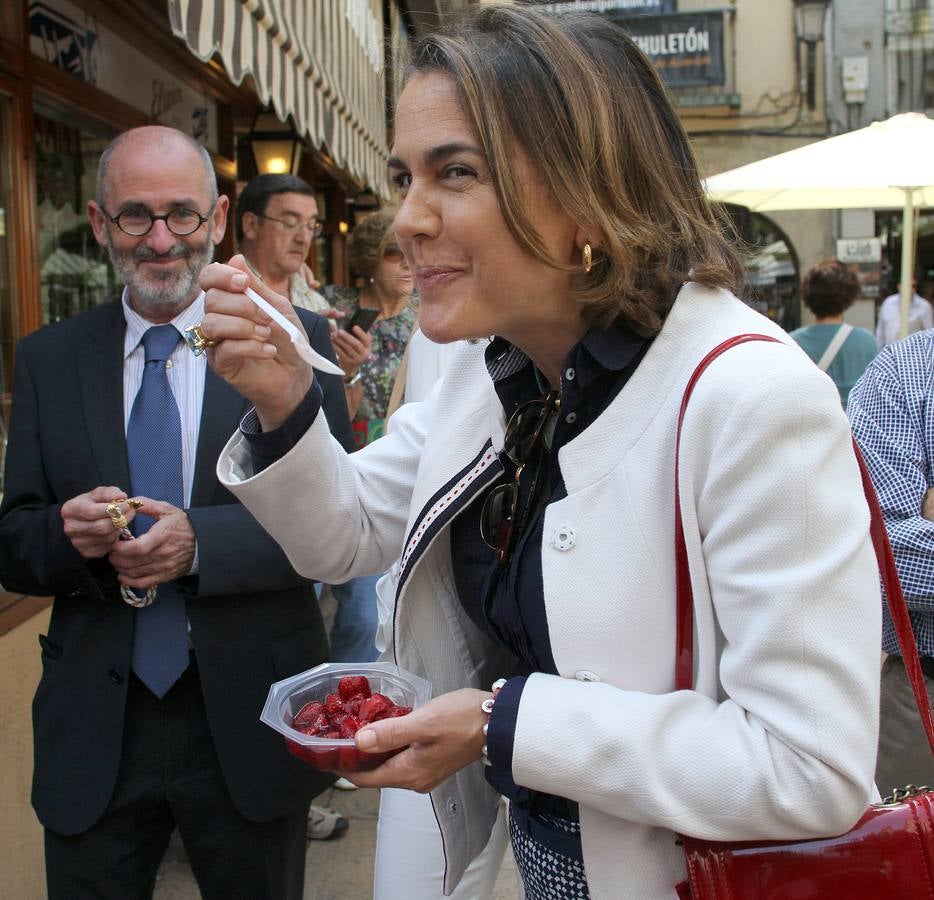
(153, 173)
(155, 141)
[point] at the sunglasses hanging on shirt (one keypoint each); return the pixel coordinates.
(528, 434)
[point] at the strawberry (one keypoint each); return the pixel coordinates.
(351, 685)
(375, 707)
(338, 718)
(322, 723)
(307, 714)
(349, 726)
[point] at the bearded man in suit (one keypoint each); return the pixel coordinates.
(144, 722)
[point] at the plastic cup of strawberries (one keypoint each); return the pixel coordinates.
(318, 712)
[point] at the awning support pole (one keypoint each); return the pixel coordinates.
(908, 260)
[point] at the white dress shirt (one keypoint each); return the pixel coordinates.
(889, 326)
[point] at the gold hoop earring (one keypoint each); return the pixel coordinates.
(588, 257)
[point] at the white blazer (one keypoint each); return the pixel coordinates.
(778, 738)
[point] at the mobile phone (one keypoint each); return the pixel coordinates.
(362, 317)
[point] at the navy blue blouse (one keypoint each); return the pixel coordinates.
(507, 601)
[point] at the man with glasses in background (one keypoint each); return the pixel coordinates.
(275, 222)
(174, 610)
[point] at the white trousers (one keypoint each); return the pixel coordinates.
(410, 858)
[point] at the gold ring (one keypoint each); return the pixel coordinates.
(196, 340)
(116, 515)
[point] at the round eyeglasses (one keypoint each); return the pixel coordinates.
(181, 221)
(293, 224)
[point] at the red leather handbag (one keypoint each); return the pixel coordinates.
(889, 853)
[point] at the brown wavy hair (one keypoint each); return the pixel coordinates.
(368, 240)
(828, 288)
(595, 122)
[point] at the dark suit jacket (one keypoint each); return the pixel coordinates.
(253, 619)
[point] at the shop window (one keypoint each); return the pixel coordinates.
(909, 55)
(75, 273)
(889, 228)
(772, 271)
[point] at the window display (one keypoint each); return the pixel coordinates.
(75, 271)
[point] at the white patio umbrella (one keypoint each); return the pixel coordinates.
(887, 165)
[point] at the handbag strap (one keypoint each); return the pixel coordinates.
(833, 348)
(684, 631)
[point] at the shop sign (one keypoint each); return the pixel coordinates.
(685, 48)
(68, 37)
(623, 7)
(859, 250)
(863, 256)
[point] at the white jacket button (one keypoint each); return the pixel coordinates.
(586, 675)
(564, 537)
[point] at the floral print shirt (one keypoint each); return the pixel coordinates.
(304, 296)
(378, 372)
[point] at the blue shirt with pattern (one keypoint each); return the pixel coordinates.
(891, 410)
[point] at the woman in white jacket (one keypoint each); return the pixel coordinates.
(549, 198)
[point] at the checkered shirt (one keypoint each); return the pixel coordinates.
(891, 410)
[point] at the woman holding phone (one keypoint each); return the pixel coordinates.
(381, 307)
(550, 198)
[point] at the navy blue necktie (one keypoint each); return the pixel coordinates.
(154, 453)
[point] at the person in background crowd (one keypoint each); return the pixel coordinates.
(146, 716)
(275, 222)
(531, 496)
(374, 255)
(889, 323)
(892, 418)
(842, 351)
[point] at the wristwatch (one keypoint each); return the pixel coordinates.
(350, 382)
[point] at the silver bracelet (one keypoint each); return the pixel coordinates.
(487, 707)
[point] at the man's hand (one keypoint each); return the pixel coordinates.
(253, 354)
(927, 504)
(352, 348)
(163, 553)
(441, 738)
(88, 524)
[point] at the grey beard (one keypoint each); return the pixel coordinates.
(168, 291)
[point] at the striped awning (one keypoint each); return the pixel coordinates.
(320, 62)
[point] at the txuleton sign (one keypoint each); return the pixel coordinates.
(686, 48)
